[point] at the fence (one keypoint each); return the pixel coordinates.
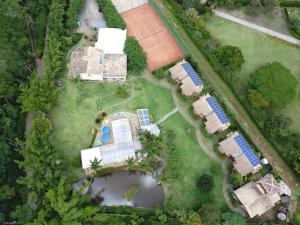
(170, 27)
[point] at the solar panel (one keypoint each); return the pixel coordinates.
(143, 116)
(247, 150)
(217, 110)
(192, 73)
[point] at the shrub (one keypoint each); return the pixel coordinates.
(206, 183)
(111, 15)
(230, 57)
(159, 74)
(73, 12)
(135, 54)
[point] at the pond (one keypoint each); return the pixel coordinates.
(111, 189)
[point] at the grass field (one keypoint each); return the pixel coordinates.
(74, 117)
(259, 49)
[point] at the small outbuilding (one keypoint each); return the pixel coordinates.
(258, 197)
(245, 160)
(145, 122)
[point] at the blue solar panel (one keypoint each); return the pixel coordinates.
(247, 150)
(144, 117)
(217, 110)
(192, 73)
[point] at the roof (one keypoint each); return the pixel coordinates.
(87, 63)
(247, 150)
(192, 73)
(260, 196)
(89, 155)
(217, 109)
(143, 117)
(188, 87)
(201, 106)
(245, 159)
(111, 40)
(213, 124)
(178, 72)
(121, 131)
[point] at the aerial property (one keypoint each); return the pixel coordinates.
(105, 61)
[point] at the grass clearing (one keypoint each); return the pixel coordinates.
(259, 49)
(74, 117)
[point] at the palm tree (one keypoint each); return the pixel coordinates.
(130, 162)
(95, 166)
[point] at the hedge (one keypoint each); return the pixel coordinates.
(111, 15)
(137, 60)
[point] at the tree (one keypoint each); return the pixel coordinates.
(37, 96)
(233, 219)
(230, 57)
(236, 180)
(210, 214)
(206, 183)
(73, 12)
(257, 100)
(191, 218)
(275, 83)
(95, 166)
(137, 60)
(65, 209)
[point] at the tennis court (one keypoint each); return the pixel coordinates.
(146, 26)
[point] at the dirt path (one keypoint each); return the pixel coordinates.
(256, 27)
(205, 146)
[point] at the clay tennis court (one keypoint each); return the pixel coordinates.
(145, 25)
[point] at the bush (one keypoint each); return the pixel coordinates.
(230, 57)
(135, 55)
(111, 15)
(159, 74)
(122, 92)
(206, 183)
(73, 12)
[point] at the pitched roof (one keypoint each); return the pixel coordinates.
(260, 196)
(217, 109)
(192, 73)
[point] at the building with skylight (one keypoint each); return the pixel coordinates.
(245, 160)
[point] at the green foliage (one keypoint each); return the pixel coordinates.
(159, 74)
(206, 183)
(233, 219)
(257, 100)
(230, 57)
(275, 82)
(136, 57)
(190, 218)
(236, 180)
(121, 92)
(111, 15)
(63, 208)
(210, 214)
(37, 96)
(95, 166)
(73, 12)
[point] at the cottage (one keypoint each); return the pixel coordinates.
(184, 73)
(104, 62)
(245, 160)
(201, 106)
(260, 196)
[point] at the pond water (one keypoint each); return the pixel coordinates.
(112, 188)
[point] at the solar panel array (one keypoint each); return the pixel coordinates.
(144, 118)
(192, 73)
(217, 110)
(247, 150)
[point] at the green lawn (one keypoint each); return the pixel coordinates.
(74, 117)
(259, 49)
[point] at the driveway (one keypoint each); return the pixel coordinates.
(90, 17)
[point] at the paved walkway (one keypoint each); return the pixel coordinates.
(254, 26)
(166, 116)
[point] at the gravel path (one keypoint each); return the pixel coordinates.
(254, 26)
